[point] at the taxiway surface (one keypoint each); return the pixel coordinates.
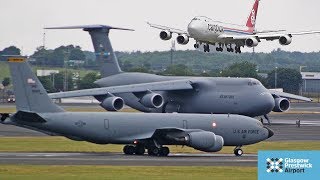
(127, 160)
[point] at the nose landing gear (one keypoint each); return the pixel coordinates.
(238, 151)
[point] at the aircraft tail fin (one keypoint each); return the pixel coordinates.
(251, 22)
(29, 92)
(105, 56)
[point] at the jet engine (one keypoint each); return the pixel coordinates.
(183, 39)
(251, 42)
(285, 40)
(165, 35)
(152, 100)
(281, 105)
(205, 141)
(112, 103)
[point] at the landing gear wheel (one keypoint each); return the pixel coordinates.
(128, 149)
(238, 152)
(139, 150)
(164, 151)
(206, 48)
(196, 46)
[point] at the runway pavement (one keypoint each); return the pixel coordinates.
(127, 160)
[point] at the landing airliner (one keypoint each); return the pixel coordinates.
(231, 36)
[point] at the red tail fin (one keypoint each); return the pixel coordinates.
(252, 16)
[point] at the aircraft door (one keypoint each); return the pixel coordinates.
(108, 131)
(185, 124)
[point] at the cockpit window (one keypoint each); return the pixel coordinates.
(253, 83)
(195, 19)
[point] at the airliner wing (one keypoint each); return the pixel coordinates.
(266, 36)
(143, 87)
(172, 30)
(288, 95)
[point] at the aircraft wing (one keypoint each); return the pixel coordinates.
(266, 36)
(143, 87)
(172, 30)
(289, 96)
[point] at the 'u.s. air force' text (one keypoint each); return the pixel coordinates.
(245, 131)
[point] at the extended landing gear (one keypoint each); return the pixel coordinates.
(229, 49)
(238, 151)
(206, 48)
(196, 45)
(140, 150)
(162, 151)
(237, 49)
(137, 150)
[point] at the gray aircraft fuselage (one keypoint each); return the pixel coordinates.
(219, 95)
(125, 128)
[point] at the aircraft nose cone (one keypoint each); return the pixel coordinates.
(192, 28)
(270, 132)
(268, 102)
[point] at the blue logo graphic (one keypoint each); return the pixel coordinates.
(277, 165)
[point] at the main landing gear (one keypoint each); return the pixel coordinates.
(140, 150)
(238, 151)
(206, 48)
(237, 49)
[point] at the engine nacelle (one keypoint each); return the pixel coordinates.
(205, 141)
(152, 100)
(251, 42)
(285, 40)
(183, 39)
(112, 103)
(281, 105)
(165, 35)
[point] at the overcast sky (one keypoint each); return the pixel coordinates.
(22, 21)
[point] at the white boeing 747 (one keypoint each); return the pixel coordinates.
(209, 32)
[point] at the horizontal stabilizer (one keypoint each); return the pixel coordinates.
(90, 27)
(28, 117)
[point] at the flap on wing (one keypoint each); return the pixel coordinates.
(173, 30)
(288, 95)
(154, 86)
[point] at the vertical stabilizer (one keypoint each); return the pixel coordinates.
(251, 22)
(105, 56)
(29, 92)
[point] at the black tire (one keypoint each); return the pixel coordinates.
(131, 150)
(164, 151)
(238, 152)
(140, 150)
(125, 149)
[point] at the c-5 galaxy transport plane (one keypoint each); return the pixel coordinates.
(208, 133)
(153, 93)
(210, 32)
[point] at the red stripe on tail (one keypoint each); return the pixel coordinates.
(253, 15)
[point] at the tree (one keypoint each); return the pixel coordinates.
(88, 80)
(11, 50)
(288, 79)
(178, 70)
(47, 83)
(241, 69)
(6, 81)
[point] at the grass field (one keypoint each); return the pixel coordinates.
(61, 144)
(126, 172)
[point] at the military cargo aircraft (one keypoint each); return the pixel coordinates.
(139, 131)
(165, 94)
